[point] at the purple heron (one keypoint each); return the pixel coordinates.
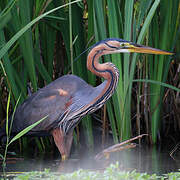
(67, 99)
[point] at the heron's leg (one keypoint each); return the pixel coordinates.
(59, 139)
(68, 141)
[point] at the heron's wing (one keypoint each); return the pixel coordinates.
(82, 104)
(46, 102)
(62, 100)
(85, 97)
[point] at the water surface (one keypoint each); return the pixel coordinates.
(141, 159)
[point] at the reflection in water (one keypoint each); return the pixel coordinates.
(142, 159)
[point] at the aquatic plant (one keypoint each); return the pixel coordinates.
(112, 172)
(40, 43)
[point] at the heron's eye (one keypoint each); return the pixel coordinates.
(122, 44)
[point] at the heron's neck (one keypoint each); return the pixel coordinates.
(106, 70)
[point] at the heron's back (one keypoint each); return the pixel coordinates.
(67, 94)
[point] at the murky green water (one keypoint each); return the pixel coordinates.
(143, 159)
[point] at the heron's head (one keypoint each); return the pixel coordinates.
(111, 46)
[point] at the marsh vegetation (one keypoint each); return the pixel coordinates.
(39, 41)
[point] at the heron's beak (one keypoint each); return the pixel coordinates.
(145, 49)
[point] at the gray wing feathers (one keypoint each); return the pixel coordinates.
(62, 100)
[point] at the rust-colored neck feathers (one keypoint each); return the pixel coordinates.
(105, 70)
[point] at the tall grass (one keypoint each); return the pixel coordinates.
(135, 21)
(39, 40)
(8, 128)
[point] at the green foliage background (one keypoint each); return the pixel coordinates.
(39, 40)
